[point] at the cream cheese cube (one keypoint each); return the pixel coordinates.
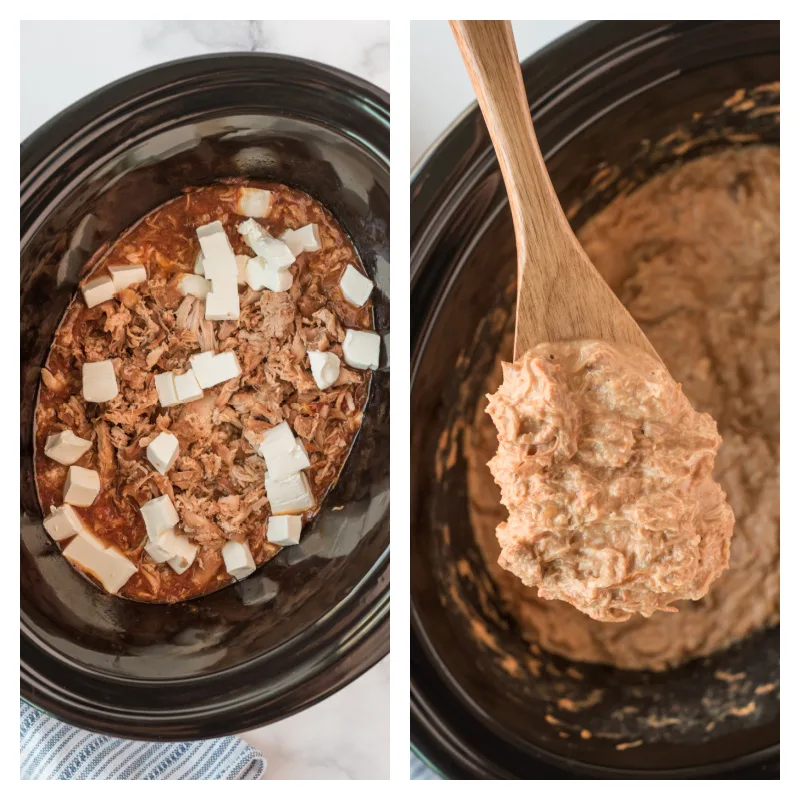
(222, 304)
(172, 548)
(219, 260)
(284, 530)
(277, 280)
(238, 560)
(261, 275)
(127, 275)
(291, 495)
(98, 291)
(325, 368)
(81, 487)
(283, 453)
(251, 232)
(159, 515)
(187, 387)
(274, 251)
(65, 447)
(106, 564)
(195, 285)
(294, 461)
(211, 369)
(220, 267)
(226, 366)
(277, 445)
(209, 230)
(254, 273)
(158, 553)
(277, 441)
(361, 349)
(99, 382)
(355, 286)
(199, 269)
(184, 554)
(302, 240)
(254, 202)
(63, 522)
(163, 451)
(165, 386)
(201, 366)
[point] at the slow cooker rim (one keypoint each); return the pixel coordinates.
(374, 574)
(423, 193)
(36, 150)
(85, 121)
(70, 121)
(204, 724)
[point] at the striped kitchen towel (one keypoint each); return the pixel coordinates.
(421, 771)
(53, 750)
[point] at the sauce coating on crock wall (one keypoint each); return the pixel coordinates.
(217, 483)
(605, 469)
(698, 252)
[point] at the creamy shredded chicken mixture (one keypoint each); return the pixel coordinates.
(217, 483)
(696, 255)
(605, 469)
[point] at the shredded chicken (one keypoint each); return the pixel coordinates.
(206, 336)
(53, 383)
(277, 314)
(217, 481)
(105, 453)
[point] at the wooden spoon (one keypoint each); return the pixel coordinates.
(560, 295)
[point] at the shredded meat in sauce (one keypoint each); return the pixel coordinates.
(605, 469)
(697, 255)
(217, 482)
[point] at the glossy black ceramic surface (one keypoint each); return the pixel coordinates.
(315, 617)
(601, 97)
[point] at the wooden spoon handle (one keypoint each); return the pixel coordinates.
(490, 55)
(560, 295)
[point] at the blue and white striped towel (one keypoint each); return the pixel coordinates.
(53, 750)
(421, 771)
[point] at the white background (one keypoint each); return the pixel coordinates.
(63, 61)
(347, 735)
(440, 88)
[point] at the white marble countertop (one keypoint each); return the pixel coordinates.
(60, 62)
(440, 88)
(347, 735)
